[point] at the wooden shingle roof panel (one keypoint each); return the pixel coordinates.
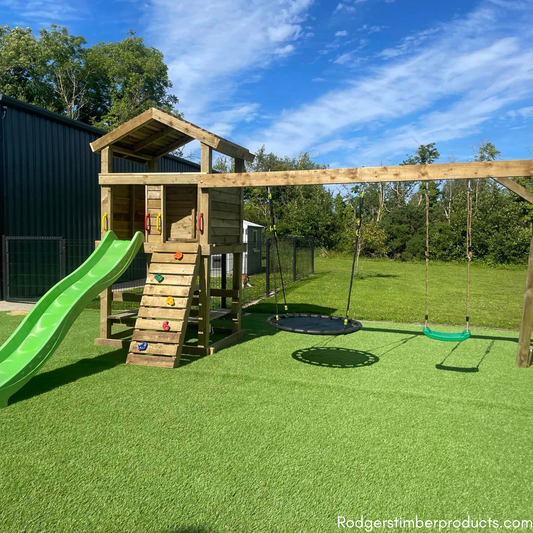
(155, 133)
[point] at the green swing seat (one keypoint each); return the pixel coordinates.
(448, 337)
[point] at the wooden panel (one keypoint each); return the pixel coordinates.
(154, 348)
(168, 290)
(157, 325)
(227, 198)
(184, 247)
(169, 258)
(160, 301)
(168, 313)
(152, 178)
(151, 360)
(219, 223)
(156, 336)
(225, 208)
(169, 280)
(226, 231)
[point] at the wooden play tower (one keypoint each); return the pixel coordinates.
(184, 225)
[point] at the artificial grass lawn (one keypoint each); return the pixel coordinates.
(395, 291)
(281, 432)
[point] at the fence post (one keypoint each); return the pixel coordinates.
(294, 259)
(224, 277)
(267, 244)
(312, 255)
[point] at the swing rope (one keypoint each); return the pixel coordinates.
(427, 257)
(358, 218)
(453, 337)
(468, 249)
(275, 233)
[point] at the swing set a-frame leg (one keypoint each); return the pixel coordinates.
(523, 356)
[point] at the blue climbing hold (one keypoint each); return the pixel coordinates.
(142, 346)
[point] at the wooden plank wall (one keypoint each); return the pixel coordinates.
(226, 221)
(181, 212)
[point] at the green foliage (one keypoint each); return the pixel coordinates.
(104, 85)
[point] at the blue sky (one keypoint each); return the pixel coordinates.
(356, 82)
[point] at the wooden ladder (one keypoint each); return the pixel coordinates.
(167, 297)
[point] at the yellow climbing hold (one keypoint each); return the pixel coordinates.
(170, 300)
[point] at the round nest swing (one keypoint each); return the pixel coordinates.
(312, 324)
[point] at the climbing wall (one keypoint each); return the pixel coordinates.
(165, 306)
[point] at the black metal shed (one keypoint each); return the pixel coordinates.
(50, 197)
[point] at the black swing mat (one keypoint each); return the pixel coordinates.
(314, 324)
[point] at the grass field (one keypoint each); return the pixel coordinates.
(395, 291)
(280, 432)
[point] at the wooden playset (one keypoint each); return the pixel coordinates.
(187, 217)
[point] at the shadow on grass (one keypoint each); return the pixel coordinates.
(331, 357)
(48, 381)
(463, 369)
(375, 275)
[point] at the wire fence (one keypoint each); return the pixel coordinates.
(32, 265)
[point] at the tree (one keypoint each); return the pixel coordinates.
(105, 84)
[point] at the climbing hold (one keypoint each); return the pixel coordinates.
(142, 346)
(166, 326)
(159, 278)
(170, 300)
(178, 256)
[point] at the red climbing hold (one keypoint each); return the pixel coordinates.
(166, 326)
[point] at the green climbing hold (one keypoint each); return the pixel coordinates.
(159, 278)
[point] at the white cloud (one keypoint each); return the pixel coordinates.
(408, 44)
(211, 46)
(447, 89)
(371, 28)
(341, 33)
(47, 10)
(318, 80)
(524, 112)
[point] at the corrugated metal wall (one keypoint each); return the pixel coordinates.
(49, 175)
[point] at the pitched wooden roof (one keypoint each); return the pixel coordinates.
(155, 133)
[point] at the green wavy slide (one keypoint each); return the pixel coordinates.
(43, 329)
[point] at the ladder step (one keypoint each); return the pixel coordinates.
(187, 259)
(155, 336)
(157, 325)
(155, 349)
(151, 360)
(167, 290)
(184, 247)
(161, 301)
(170, 268)
(167, 313)
(169, 280)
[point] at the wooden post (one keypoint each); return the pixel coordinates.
(523, 356)
(106, 296)
(236, 303)
(204, 325)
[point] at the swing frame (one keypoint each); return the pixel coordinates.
(115, 143)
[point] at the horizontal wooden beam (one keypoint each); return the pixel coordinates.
(150, 178)
(516, 188)
(335, 176)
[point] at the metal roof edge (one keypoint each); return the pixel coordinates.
(10, 101)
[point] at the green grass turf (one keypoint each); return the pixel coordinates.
(395, 291)
(281, 432)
